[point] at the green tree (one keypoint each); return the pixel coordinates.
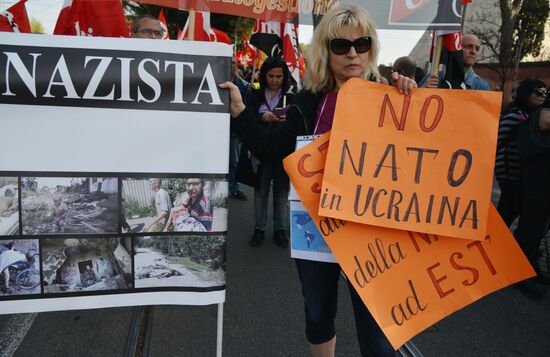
(520, 32)
(36, 26)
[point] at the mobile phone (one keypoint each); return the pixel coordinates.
(279, 111)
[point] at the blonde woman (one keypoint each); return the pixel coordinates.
(344, 46)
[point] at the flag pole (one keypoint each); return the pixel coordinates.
(437, 56)
(191, 30)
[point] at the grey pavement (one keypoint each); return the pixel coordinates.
(264, 317)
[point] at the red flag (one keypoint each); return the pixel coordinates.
(15, 19)
(87, 18)
(248, 53)
(220, 36)
(164, 25)
(202, 30)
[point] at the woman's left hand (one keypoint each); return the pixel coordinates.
(403, 83)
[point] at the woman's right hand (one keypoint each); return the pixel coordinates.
(237, 106)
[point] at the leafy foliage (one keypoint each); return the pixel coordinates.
(520, 32)
(132, 208)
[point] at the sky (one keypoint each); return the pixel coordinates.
(393, 43)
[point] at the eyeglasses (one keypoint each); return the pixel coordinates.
(541, 92)
(151, 32)
(341, 46)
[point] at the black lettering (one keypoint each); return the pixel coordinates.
(392, 205)
(389, 149)
(346, 153)
(467, 166)
(419, 157)
(375, 202)
(416, 212)
(356, 210)
(472, 206)
(452, 211)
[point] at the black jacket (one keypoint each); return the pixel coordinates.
(277, 142)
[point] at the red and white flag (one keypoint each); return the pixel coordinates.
(203, 31)
(164, 25)
(15, 19)
(220, 36)
(92, 18)
(291, 51)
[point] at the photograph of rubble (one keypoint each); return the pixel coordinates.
(86, 264)
(9, 206)
(19, 267)
(179, 261)
(174, 205)
(69, 205)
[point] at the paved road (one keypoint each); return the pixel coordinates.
(264, 317)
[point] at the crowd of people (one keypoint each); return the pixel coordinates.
(264, 127)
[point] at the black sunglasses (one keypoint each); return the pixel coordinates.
(341, 46)
(541, 92)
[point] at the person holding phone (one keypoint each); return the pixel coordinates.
(270, 102)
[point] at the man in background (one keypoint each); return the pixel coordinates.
(470, 52)
(147, 26)
(405, 66)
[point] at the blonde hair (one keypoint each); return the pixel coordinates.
(319, 77)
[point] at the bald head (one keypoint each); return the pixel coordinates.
(470, 47)
(406, 66)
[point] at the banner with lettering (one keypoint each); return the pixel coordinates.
(408, 280)
(394, 14)
(422, 162)
(113, 168)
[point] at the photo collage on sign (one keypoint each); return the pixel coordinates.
(78, 234)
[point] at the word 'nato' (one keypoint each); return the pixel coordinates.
(108, 78)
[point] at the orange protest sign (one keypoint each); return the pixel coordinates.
(408, 281)
(422, 162)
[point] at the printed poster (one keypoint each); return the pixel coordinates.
(113, 172)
